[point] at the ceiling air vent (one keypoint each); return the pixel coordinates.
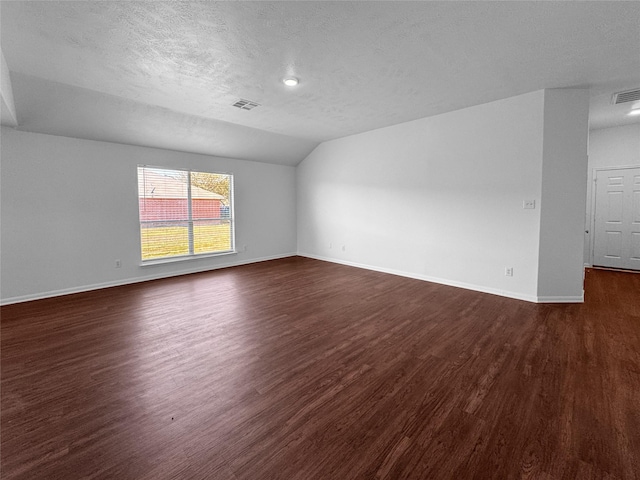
(624, 97)
(245, 104)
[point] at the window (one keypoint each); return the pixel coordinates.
(184, 213)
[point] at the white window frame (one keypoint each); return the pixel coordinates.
(191, 255)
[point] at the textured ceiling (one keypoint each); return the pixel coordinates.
(162, 67)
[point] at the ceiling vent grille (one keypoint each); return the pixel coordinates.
(245, 104)
(624, 97)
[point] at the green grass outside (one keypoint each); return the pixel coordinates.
(161, 242)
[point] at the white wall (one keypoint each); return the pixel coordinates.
(438, 198)
(563, 199)
(441, 198)
(69, 208)
(609, 147)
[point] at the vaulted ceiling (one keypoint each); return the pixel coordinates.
(166, 74)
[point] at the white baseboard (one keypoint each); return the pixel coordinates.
(128, 281)
(451, 283)
(570, 299)
(441, 281)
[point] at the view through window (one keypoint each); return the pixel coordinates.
(184, 213)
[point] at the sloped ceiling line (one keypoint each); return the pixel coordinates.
(9, 117)
(362, 66)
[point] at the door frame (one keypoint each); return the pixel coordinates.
(594, 186)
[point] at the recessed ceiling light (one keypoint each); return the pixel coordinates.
(635, 111)
(290, 81)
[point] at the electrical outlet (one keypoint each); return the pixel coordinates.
(344, 248)
(330, 246)
(529, 204)
(508, 271)
(118, 263)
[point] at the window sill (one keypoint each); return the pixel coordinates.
(185, 258)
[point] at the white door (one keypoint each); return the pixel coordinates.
(617, 219)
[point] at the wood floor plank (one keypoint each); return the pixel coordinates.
(302, 369)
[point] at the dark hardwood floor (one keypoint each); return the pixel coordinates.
(301, 369)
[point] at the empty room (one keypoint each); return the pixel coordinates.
(320, 240)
